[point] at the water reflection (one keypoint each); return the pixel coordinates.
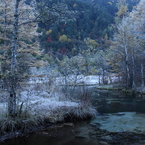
(68, 135)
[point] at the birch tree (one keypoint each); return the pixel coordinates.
(21, 20)
(137, 17)
(137, 26)
(121, 45)
(18, 34)
(128, 43)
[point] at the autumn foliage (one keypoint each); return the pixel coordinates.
(49, 39)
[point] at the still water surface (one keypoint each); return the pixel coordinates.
(84, 133)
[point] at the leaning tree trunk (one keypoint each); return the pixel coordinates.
(12, 91)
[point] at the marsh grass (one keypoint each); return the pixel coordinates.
(44, 111)
(81, 112)
(38, 106)
(19, 124)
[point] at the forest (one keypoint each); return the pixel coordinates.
(49, 48)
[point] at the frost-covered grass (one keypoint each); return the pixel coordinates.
(53, 109)
(88, 80)
(41, 106)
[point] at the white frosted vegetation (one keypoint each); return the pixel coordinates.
(37, 111)
(48, 107)
(88, 80)
(41, 101)
(51, 105)
(54, 109)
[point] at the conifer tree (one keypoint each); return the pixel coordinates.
(19, 32)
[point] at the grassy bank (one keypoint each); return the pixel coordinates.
(39, 111)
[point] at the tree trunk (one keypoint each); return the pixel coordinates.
(99, 79)
(142, 79)
(12, 97)
(86, 65)
(127, 67)
(103, 76)
(133, 72)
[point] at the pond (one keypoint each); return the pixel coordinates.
(120, 122)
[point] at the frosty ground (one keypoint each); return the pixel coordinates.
(39, 104)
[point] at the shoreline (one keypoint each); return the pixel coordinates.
(61, 115)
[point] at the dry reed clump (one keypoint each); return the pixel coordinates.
(9, 125)
(37, 111)
(81, 112)
(63, 113)
(43, 112)
(50, 110)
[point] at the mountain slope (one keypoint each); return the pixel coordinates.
(94, 20)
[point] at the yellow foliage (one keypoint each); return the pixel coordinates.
(75, 5)
(134, 7)
(8, 61)
(122, 8)
(64, 38)
(48, 32)
(69, 40)
(55, 70)
(106, 37)
(110, 3)
(92, 42)
(122, 11)
(94, 71)
(38, 64)
(33, 51)
(25, 50)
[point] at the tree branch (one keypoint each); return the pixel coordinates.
(34, 21)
